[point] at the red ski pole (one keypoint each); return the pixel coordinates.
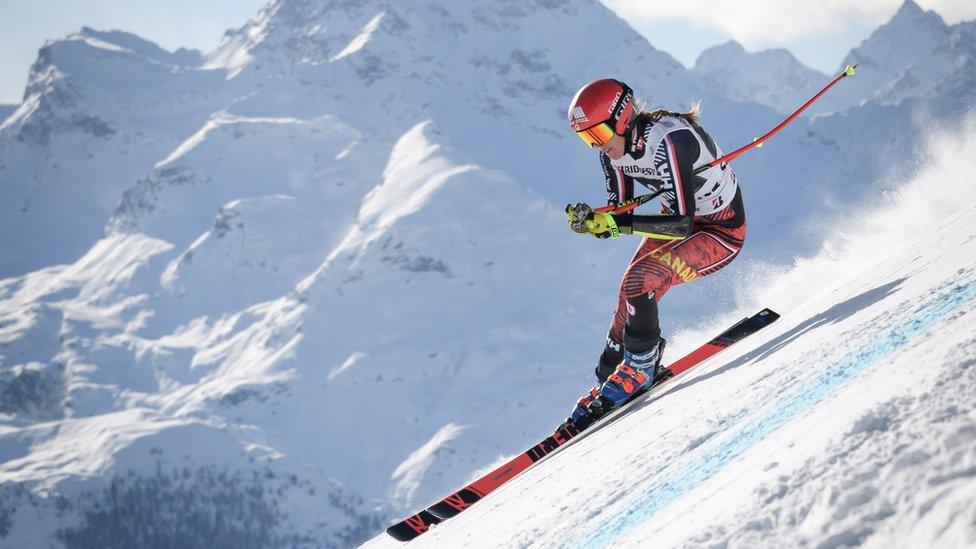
(629, 205)
(759, 141)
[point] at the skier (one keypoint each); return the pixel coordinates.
(700, 229)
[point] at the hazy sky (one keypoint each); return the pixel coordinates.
(818, 32)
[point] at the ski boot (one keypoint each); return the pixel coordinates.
(629, 378)
(625, 382)
(660, 372)
(582, 408)
(637, 373)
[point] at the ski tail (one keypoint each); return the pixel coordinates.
(467, 496)
(411, 527)
(457, 502)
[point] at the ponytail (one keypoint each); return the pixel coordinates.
(692, 116)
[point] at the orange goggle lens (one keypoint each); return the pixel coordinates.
(597, 136)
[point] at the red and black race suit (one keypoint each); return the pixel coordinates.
(704, 210)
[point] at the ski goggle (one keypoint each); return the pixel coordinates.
(598, 135)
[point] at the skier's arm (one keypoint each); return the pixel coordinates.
(584, 219)
(662, 227)
(674, 160)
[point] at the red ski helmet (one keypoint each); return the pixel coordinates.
(601, 109)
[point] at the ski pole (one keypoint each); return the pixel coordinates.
(759, 141)
(629, 205)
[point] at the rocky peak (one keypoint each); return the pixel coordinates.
(141, 47)
(730, 49)
(909, 35)
(910, 9)
(771, 77)
(317, 32)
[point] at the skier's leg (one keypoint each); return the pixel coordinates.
(642, 332)
(612, 355)
(636, 325)
(635, 319)
(705, 252)
(655, 268)
(613, 351)
(634, 335)
(646, 280)
(645, 283)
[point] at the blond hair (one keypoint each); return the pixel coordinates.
(692, 116)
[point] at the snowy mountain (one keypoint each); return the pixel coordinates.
(771, 77)
(293, 287)
(947, 71)
(909, 37)
(849, 422)
(6, 110)
(258, 279)
(915, 55)
(99, 110)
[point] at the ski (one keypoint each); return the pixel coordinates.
(457, 502)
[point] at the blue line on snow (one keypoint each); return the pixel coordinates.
(658, 493)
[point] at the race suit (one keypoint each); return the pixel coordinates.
(701, 228)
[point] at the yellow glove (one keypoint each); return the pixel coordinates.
(584, 220)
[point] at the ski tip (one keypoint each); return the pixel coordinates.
(767, 316)
(850, 70)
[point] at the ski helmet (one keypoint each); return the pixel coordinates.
(601, 109)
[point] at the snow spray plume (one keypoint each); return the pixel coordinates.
(922, 201)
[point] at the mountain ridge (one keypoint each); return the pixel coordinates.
(772, 77)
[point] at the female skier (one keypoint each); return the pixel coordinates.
(700, 229)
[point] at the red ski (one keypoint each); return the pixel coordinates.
(457, 502)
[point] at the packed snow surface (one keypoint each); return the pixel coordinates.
(850, 421)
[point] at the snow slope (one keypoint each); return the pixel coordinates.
(219, 258)
(848, 422)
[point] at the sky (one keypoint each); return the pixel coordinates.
(818, 32)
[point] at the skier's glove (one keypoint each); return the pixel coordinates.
(584, 220)
(576, 216)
